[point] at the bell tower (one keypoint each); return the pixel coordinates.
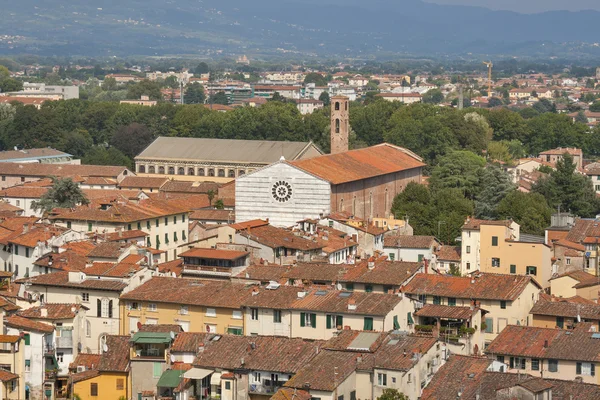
(340, 124)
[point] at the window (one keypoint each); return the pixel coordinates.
(68, 224)
(468, 249)
(535, 364)
(333, 321)
(27, 365)
(221, 173)
(171, 170)
(468, 265)
(210, 312)
(93, 389)
(254, 314)
(152, 307)
(142, 169)
(307, 319)
(237, 314)
(382, 379)
(157, 223)
(27, 338)
(134, 305)
(120, 384)
(166, 238)
(241, 172)
(60, 357)
(368, 288)
(368, 324)
(568, 261)
(174, 219)
(420, 257)
(353, 395)
(392, 256)
(211, 172)
(201, 171)
(231, 173)
(235, 330)
(85, 297)
(191, 171)
(148, 224)
(182, 217)
(89, 226)
(530, 270)
(166, 221)
(88, 329)
(560, 322)
(437, 300)
(350, 286)
(513, 269)
(553, 365)
(277, 316)
(227, 385)
(517, 363)
(500, 359)
(340, 397)
(181, 171)
(27, 252)
(183, 310)
(489, 325)
(587, 369)
(494, 240)
(495, 262)
(451, 301)
(16, 250)
(503, 304)
(423, 298)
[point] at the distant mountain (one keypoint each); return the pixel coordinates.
(329, 27)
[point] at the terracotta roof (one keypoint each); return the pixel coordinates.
(283, 297)
(263, 273)
(16, 223)
(360, 164)
(449, 253)
(9, 339)
(6, 376)
(114, 270)
(396, 353)
(61, 279)
(291, 394)
(7, 207)
(116, 359)
(213, 215)
(350, 220)
(82, 247)
(36, 234)
(484, 286)
(191, 292)
(24, 192)
(107, 250)
(411, 242)
(124, 235)
(54, 311)
(384, 272)
(66, 261)
(161, 328)
(255, 223)
(60, 170)
(6, 304)
(214, 254)
(440, 311)
(569, 245)
(581, 229)
(15, 321)
(344, 340)
(87, 360)
(188, 342)
(84, 375)
(566, 308)
(273, 237)
(175, 266)
(324, 370)
(474, 224)
(189, 187)
(26, 100)
(262, 353)
(585, 279)
(142, 182)
(378, 304)
(559, 151)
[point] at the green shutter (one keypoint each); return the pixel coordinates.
(420, 258)
(27, 337)
(396, 323)
(513, 269)
(339, 321)
(328, 319)
(157, 369)
(368, 324)
(560, 322)
(313, 320)
(409, 318)
(578, 369)
(350, 286)
(368, 288)
(302, 319)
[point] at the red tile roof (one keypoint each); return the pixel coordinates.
(559, 151)
(124, 235)
(9, 339)
(175, 266)
(84, 375)
(480, 286)
(24, 192)
(36, 234)
(116, 359)
(440, 311)
(15, 321)
(87, 360)
(570, 308)
(377, 304)
(60, 170)
(449, 253)
(142, 182)
(360, 164)
(214, 254)
(325, 371)
(585, 279)
(474, 224)
(53, 311)
(274, 237)
(188, 342)
(411, 242)
(213, 215)
(61, 279)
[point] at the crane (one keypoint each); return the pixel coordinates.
(489, 65)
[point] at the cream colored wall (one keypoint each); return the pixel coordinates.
(265, 326)
(355, 322)
(364, 387)
(566, 371)
(469, 238)
(563, 287)
(590, 292)
(16, 360)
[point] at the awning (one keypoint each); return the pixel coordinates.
(197, 373)
(215, 379)
(151, 337)
(170, 378)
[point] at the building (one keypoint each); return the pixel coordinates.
(553, 155)
(143, 101)
(27, 101)
(42, 90)
(506, 298)
(361, 182)
(12, 358)
(219, 160)
(340, 124)
(566, 313)
(448, 259)
(306, 106)
(406, 98)
(41, 155)
(411, 248)
(575, 283)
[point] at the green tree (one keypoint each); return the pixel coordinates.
(324, 97)
(64, 193)
(434, 96)
(499, 151)
(109, 84)
(414, 202)
(194, 94)
(581, 118)
(171, 82)
(392, 394)
(219, 205)
(571, 191)
(595, 107)
(211, 195)
(100, 155)
(494, 185)
(77, 143)
(219, 98)
(544, 106)
(278, 97)
(132, 139)
(316, 78)
(494, 102)
(458, 169)
(144, 88)
(202, 68)
(529, 210)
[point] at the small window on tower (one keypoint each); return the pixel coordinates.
(337, 125)
(337, 105)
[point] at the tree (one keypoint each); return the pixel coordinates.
(324, 97)
(392, 394)
(194, 94)
(494, 102)
(499, 151)
(581, 118)
(571, 191)
(109, 84)
(458, 169)
(144, 88)
(494, 185)
(316, 78)
(219, 98)
(433, 96)
(211, 195)
(99, 155)
(595, 107)
(132, 139)
(219, 205)
(545, 106)
(202, 68)
(64, 193)
(171, 81)
(278, 97)
(530, 210)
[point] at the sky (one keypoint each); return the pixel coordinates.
(527, 6)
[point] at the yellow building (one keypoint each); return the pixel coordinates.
(111, 381)
(12, 356)
(195, 305)
(575, 283)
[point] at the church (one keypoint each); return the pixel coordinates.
(363, 182)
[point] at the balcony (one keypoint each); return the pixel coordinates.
(257, 388)
(64, 342)
(50, 375)
(49, 349)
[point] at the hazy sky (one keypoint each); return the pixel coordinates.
(527, 6)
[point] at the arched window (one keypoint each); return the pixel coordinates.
(171, 170)
(342, 205)
(337, 125)
(337, 105)
(241, 172)
(102, 342)
(180, 171)
(104, 308)
(191, 171)
(161, 170)
(231, 173)
(222, 173)
(151, 170)
(142, 169)
(346, 106)
(211, 172)
(88, 328)
(201, 171)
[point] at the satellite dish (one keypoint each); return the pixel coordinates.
(105, 347)
(172, 357)
(172, 335)
(339, 286)
(578, 318)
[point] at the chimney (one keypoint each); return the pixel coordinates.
(351, 305)
(340, 124)
(25, 228)
(201, 348)
(254, 291)
(301, 294)
(546, 343)
(44, 312)
(371, 264)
